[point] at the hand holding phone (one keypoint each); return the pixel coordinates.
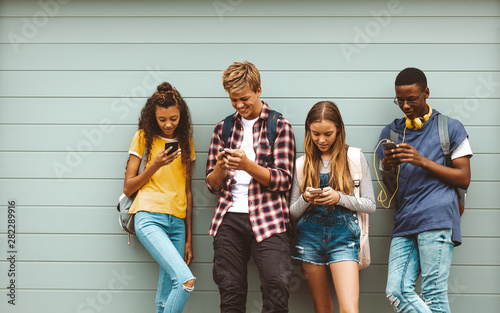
(388, 145)
(390, 161)
(311, 194)
(174, 145)
(225, 151)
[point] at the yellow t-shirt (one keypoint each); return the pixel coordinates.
(165, 192)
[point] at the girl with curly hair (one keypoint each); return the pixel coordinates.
(327, 228)
(164, 203)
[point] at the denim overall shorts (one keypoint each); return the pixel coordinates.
(327, 235)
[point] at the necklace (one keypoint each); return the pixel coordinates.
(325, 164)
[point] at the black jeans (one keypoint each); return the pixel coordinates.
(233, 245)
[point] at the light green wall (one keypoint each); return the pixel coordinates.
(71, 92)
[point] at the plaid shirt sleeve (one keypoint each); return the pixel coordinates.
(215, 144)
(284, 155)
(225, 198)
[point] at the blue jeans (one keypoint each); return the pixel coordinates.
(428, 253)
(164, 237)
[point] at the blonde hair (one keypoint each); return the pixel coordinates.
(239, 77)
(340, 177)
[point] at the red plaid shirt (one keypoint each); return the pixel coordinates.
(268, 206)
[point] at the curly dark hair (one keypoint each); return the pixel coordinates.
(167, 96)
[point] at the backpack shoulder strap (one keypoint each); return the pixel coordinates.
(354, 157)
(272, 119)
(143, 164)
(444, 142)
(444, 137)
(299, 168)
(226, 129)
(394, 136)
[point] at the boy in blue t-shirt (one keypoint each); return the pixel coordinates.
(427, 220)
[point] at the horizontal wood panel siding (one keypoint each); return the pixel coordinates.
(15, 8)
(280, 83)
(291, 29)
(74, 76)
(202, 301)
(270, 56)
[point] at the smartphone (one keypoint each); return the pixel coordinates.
(174, 145)
(222, 150)
(316, 191)
(389, 145)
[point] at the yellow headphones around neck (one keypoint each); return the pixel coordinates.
(419, 121)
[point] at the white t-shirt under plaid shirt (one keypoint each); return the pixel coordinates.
(239, 191)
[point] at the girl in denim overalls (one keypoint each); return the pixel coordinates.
(164, 203)
(327, 228)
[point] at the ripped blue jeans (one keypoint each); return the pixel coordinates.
(428, 253)
(163, 235)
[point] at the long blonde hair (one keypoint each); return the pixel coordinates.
(340, 177)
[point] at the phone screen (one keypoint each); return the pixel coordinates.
(174, 145)
(389, 145)
(316, 191)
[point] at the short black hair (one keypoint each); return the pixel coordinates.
(410, 76)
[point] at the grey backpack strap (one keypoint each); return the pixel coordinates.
(444, 137)
(444, 142)
(143, 164)
(394, 136)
